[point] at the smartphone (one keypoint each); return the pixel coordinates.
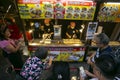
(82, 72)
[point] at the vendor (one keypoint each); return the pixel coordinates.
(47, 28)
(72, 32)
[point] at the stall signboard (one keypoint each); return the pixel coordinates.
(92, 26)
(64, 53)
(109, 12)
(54, 9)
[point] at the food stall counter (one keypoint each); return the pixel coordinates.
(61, 50)
(56, 43)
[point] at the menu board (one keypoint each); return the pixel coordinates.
(80, 10)
(109, 12)
(36, 11)
(41, 9)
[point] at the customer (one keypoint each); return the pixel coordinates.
(102, 42)
(106, 67)
(117, 55)
(72, 32)
(10, 48)
(34, 65)
(14, 30)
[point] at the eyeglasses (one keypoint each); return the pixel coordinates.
(96, 42)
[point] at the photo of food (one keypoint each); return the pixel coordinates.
(48, 14)
(82, 15)
(76, 15)
(69, 9)
(77, 9)
(91, 10)
(59, 7)
(89, 16)
(35, 13)
(47, 6)
(84, 9)
(59, 15)
(68, 15)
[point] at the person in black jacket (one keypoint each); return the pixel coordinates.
(47, 28)
(72, 32)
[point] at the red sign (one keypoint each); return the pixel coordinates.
(79, 3)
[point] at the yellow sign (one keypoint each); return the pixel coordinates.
(57, 10)
(109, 12)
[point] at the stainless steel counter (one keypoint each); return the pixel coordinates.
(49, 42)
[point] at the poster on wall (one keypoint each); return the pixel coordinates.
(92, 26)
(109, 12)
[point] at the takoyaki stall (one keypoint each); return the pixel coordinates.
(35, 12)
(65, 45)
